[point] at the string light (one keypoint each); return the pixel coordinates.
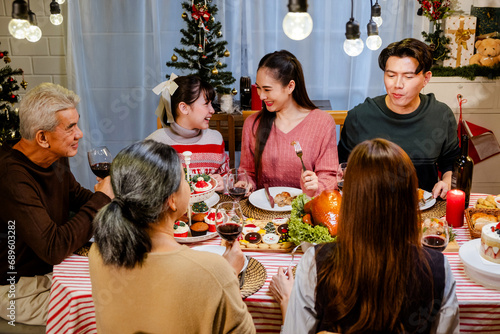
(297, 23)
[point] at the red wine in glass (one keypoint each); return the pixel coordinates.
(229, 231)
(435, 242)
(101, 169)
(237, 193)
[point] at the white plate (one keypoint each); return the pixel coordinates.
(214, 199)
(190, 240)
(478, 269)
(429, 204)
(217, 250)
(259, 200)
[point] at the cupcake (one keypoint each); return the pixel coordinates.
(198, 229)
(212, 221)
(201, 185)
(180, 229)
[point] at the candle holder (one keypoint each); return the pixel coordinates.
(455, 203)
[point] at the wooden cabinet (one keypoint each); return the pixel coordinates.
(482, 108)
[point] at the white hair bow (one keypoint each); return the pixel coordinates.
(167, 89)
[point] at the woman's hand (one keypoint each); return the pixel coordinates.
(220, 182)
(309, 183)
(281, 288)
(235, 257)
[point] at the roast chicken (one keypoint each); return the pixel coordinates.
(324, 210)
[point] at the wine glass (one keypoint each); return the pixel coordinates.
(237, 183)
(340, 175)
(232, 222)
(100, 161)
(435, 233)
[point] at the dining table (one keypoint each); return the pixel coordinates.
(71, 308)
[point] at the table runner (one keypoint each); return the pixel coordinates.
(71, 309)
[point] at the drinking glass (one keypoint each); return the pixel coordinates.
(340, 175)
(435, 233)
(237, 183)
(100, 161)
(232, 221)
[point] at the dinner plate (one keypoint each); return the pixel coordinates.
(217, 250)
(259, 200)
(190, 240)
(478, 269)
(214, 199)
(428, 204)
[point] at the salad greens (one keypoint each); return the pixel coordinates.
(300, 231)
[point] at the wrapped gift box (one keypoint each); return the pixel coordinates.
(488, 16)
(461, 30)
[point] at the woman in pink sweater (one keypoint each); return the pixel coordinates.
(267, 152)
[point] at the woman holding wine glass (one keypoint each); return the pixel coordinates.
(376, 277)
(185, 110)
(180, 290)
(288, 116)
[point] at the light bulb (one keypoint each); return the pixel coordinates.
(18, 28)
(353, 47)
(298, 25)
(61, 1)
(374, 42)
(34, 34)
(56, 19)
(378, 20)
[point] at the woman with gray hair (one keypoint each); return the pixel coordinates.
(136, 264)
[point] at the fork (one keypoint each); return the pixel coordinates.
(298, 151)
(293, 256)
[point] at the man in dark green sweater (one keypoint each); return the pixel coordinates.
(424, 127)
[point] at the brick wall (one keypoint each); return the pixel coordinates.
(43, 61)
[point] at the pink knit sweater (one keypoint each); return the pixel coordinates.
(280, 165)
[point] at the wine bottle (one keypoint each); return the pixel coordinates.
(462, 170)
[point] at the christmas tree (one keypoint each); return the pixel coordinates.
(9, 116)
(205, 48)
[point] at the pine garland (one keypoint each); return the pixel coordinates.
(469, 72)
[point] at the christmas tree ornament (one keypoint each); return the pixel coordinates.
(219, 33)
(1, 55)
(11, 79)
(184, 15)
(200, 49)
(227, 53)
(1, 88)
(200, 25)
(204, 56)
(24, 84)
(234, 91)
(174, 57)
(219, 63)
(212, 19)
(215, 71)
(7, 60)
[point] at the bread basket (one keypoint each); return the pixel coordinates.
(468, 216)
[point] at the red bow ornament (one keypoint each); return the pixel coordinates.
(200, 11)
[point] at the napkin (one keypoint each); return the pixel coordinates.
(483, 143)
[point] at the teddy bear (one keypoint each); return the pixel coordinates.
(488, 52)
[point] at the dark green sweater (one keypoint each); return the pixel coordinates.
(428, 135)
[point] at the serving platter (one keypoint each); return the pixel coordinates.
(195, 198)
(478, 269)
(259, 200)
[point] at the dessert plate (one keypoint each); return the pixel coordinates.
(217, 250)
(478, 269)
(190, 240)
(259, 200)
(428, 204)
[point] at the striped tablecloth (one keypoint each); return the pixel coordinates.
(71, 309)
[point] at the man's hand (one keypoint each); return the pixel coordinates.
(441, 188)
(104, 186)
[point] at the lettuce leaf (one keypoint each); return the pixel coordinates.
(298, 231)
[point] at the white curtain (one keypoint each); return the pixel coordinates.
(117, 50)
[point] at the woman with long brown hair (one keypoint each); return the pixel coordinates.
(288, 116)
(376, 277)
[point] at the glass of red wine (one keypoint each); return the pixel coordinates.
(232, 221)
(435, 233)
(100, 161)
(237, 183)
(340, 175)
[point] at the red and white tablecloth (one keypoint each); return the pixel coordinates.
(71, 309)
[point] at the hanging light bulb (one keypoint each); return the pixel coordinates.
(19, 23)
(297, 23)
(55, 13)
(353, 45)
(61, 1)
(376, 11)
(34, 33)
(373, 42)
